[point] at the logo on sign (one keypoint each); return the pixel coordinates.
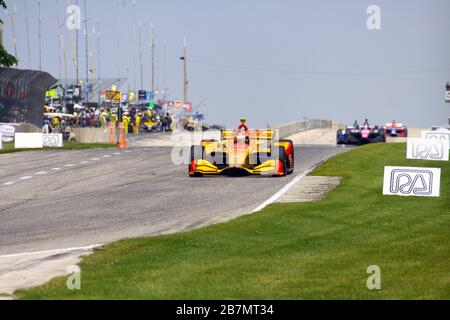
(437, 135)
(428, 149)
(419, 182)
(447, 96)
(52, 140)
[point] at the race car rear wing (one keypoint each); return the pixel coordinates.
(254, 135)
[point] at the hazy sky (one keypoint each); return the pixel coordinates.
(272, 61)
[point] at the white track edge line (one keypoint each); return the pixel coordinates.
(288, 187)
(17, 255)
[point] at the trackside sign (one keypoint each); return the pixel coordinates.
(52, 140)
(7, 133)
(428, 149)
(413, 182)
(436, 135)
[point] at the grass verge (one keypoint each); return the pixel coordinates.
(315, 250)
(9, 147)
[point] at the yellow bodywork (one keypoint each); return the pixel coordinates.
(237, 154)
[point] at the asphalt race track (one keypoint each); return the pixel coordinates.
(63, 199)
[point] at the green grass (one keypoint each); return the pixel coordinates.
(298, 251)
(9, 147)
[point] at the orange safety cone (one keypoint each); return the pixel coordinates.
(111, 133)
(122, 139)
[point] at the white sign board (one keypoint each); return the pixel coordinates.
(28, 140)
(428, 149)
(437, 135)
(1, 142)
(7, 133)
(417, 182)
(53, 140)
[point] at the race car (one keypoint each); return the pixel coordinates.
(243, 152)
(395, 129)
(358, 136)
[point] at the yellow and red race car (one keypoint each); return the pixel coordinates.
(253, 152)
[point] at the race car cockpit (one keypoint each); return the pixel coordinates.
(242, 133)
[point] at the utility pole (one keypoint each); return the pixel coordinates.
(140, 56)
(165, 69)
(40, 35)
(99, 37)
(63, 46)
(58, 23)
(11, 16)
(86, 36)
(1, 33)
(27, 28)
(133, 41)
(77, 51)
(153, 57)
(186, 81)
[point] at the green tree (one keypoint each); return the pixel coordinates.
(6, 59)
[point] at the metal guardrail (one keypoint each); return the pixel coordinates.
(289, 129)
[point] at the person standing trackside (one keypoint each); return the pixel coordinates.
(46, 127)
(126, 122)
(137, 124)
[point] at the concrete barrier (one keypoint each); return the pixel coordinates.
(28, 140)
(94, 135)
(289, 129)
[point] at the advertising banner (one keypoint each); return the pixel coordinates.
(428, 149)
(7, 133)
(436, 135)
(142, 95)
(415, 182)
(113, 96)
(28, 140)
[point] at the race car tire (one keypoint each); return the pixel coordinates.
(196, 154)
(290, 158)
(281, 156)
(218, 158)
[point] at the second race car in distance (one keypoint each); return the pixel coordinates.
(243, 151)
(395, 129)
(356, 135)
